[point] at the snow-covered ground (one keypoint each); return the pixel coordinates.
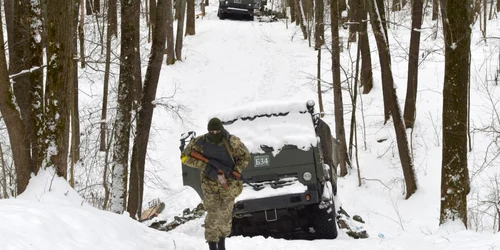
(232, 63)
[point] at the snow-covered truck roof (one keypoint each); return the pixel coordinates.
(271, 123)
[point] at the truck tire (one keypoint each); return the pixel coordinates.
(324, 223)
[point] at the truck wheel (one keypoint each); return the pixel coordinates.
(324, 223)
(222, 16)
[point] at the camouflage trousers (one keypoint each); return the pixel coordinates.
(219, 203)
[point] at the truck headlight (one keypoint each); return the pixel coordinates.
(307, 176)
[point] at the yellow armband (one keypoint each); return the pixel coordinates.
(184, 158)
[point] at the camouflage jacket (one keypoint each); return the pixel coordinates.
(238, 150)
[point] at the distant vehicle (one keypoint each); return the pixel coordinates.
(294, 194)
(239, 7)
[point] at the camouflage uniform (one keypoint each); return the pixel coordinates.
(218, 201)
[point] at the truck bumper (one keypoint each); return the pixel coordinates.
(270, 205)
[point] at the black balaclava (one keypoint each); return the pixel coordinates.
(215, 124)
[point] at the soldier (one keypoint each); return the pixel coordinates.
(219, 190)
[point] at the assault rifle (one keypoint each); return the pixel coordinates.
(222, 170)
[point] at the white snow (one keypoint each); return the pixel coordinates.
(229, 64)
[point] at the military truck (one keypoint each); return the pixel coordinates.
(292, 183)
(240, 7)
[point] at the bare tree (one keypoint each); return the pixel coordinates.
(127, 81)
(455, 185)
(190, 18)
(81, 34)
(366, 76)
(88, 7)
(337, 88)
(4, 174)
(104, 110)
(75, 117)
(180, 29)
(355, 12)
(412, 85)
(59, 84)
(12, 119)
(36, 84)
(170, 34)
(319, 31)
(300, 17)
(136, 187)
(20, 63)
(435, 9)
(112, 17)
(152, 15)
(392, 99)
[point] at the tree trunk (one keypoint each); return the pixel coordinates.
(177, 6)
(170, 33)
(375, 10)
(88, 7)
(4, 174)
(36, 85)
(9, 23)
(12, 119)
(75, 121)
(392, 100)
(337, 88)
(300, 17)
(104, 110)
(127, 82)
(435, 9)
(411, 91)
(355, 18)
(190, 18)
(81, 36)
(21, 63)
(320, 94)
(366, 76)
(354, 106)
(291, 4)
(297, 12)
(152, 13)
(97, 6)
(136, 187)
(112, 17)
(455, 185)
(202, 8)
(180, 29)
(59, 84)
(319, 32)
(382, 18)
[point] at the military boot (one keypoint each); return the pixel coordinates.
(212, 245)
(222, 244)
